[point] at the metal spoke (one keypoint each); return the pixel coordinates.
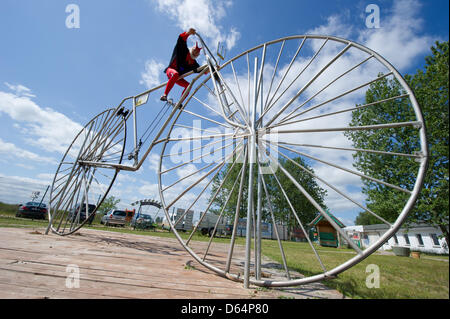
(280, 245)
(205, 137)
(338, 112)
(221, 211)
(345, 169)
(199, 195)
(192, 160)
(338, 96)
(198, 148)
(209, 172)
(273, 76)
(354, 150)
(335, 189)
(292, 100)
(227, 89)
(292, 82)
(102, 139)
(269, 105)
(195, 128)
(219, 91)
(210, 203)
(298, 219)
(319, 208)
(206, 105)
(206, 118)
(415, 124)
(287, 117)
(237, 84)
(187, 176)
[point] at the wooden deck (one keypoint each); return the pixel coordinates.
(115, 265)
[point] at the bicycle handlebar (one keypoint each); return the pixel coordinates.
(206, 47)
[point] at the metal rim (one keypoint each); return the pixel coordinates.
(101, 140)
(245, 126)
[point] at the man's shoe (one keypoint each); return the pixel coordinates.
(164, 98)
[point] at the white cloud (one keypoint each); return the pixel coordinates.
(335, 26)
(17, 189)
(46, 177)
(13, 152)
(203, 15)
(400, 31)
(151, 77)
(153, 163)
(43, 127)
(20, 90)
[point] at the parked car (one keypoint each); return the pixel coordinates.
(33, 210)
(114, 217)
(143, 221)
(74, 212)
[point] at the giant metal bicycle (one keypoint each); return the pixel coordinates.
(231, 145)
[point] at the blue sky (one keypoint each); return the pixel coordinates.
(54, 79)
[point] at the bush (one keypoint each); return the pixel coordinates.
(8, 209)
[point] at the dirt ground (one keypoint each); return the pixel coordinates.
(116, 265)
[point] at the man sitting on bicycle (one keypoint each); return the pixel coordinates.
(181, 62)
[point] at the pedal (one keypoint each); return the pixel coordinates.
(122, 112)
(170, 101)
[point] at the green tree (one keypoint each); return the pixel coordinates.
(108, 204)
(430, 87)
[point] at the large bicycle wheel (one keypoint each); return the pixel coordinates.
(79, 188)
(275, 138)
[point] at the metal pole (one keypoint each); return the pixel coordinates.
(135, 133)
(44, 195)
(258, 229)
(249, 212)
(250, 206)
(260, 190)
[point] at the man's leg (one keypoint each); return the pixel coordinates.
(173, 76)
(184, 84)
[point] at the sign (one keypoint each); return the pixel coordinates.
(141, 99)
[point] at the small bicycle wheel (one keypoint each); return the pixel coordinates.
(274, 139)
(79, 188)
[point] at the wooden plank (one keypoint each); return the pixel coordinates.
(116, 265)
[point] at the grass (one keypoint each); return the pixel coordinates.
(400, 277)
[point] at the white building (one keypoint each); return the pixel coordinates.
(420, 237)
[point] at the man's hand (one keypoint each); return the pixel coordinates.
(191, 31)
